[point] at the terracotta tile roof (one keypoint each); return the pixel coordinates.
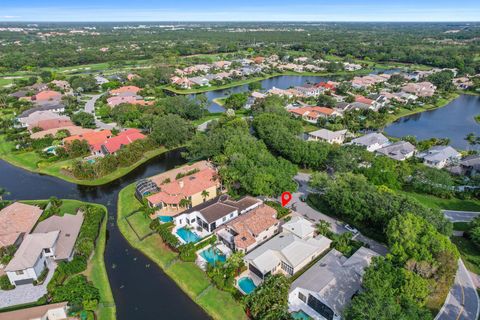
(94, 139)
(251, 224)
(47, 95)
(173, 192)
(54, 123)
(313, 112)
(15, 220)
(73, 130)
(130, 89)
(362, 99)
(122, 139)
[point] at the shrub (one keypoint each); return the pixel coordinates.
(5, 283)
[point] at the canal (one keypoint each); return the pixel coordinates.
(453, 121)
(140, 288)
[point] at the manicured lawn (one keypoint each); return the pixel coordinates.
(97, 273)
(140, 223)
(31, 161)
(446, 204)
(470, 253)
(192, 280)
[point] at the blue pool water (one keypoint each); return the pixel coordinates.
(300, 315)
(165, 219)
(213, 256)
(247, 285)
(187, 235)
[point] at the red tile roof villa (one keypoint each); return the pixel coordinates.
(124, 138)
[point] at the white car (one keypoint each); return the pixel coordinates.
(351, 229)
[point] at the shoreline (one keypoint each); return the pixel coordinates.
(54, 170)
(187, 276)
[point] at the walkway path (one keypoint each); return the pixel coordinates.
(460, 216)
(336, 225)
(90, 108)
(26, 293)
(462, 301)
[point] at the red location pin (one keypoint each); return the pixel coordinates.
(286, 197)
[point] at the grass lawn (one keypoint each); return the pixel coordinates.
(140, 223)
(193, 281)
(97, 273)
(470, 253)
(31, 161)
(446, 204)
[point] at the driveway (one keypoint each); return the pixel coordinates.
(462, 300)
(90, 108)
(26, 293)
(460, 216)
(313, 215)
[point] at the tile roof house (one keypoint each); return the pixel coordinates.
(439, 156)
(55, 311)
(288, 252)
(328, 136)
(54, 123)
(94, 139)
(124, 138)
(421, 89)
(44, 112)
(250, 230)
(206, 217)
(326, 288)
(53, 239)
(48, 95)
(400, 150)
(189, 187)
(73, 130)
(312, 114)
(130, 99)
(132, 90)
(17, 220)
(372, 141)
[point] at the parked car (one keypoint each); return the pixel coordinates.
(303, 198)
(351, 229)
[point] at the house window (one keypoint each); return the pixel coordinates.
(287, 268)
(19, 272)
(302, 297)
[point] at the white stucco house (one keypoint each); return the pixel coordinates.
(440, 156)
(372, 141)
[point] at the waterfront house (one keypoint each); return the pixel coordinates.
(328, 136)
(194, 184)
(312, 114)
(17, 220)
(200, 81)
(288, 252)
(371, 141)
(400, 150)
(440, 156)
(53, 240)
(94, 139)
(420, 89)
(250, 230)
(325, 289)
(206, 217)
(55, 311)
(124, 138)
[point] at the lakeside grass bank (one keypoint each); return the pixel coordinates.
(31, 161)
(191, 279)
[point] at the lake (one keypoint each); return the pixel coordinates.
(454, 121)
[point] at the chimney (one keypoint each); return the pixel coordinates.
(181, 184)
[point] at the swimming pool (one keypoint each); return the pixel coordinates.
(165, 219)
(187, 235)
(213, 256)
(247, 285)
(300, 315)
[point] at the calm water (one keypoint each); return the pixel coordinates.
(282, 82)
(454, 121)
(141, 289)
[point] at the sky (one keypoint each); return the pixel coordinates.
(240, 10)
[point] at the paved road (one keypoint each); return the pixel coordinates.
(90, 108)
(460, 216)
(314, 215)
(462, 301)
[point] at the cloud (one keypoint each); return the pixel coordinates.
(9, 17)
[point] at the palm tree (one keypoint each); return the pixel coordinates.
(323, 228)
(185, 203)
(205, 195)
(3, 192)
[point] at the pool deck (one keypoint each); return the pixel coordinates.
(202, 263)
(256, 280)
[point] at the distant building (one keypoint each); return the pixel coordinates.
(324, 290)
(312, 114)
(440, 156)
(400, 150)
(372, 141)
(328, 136)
